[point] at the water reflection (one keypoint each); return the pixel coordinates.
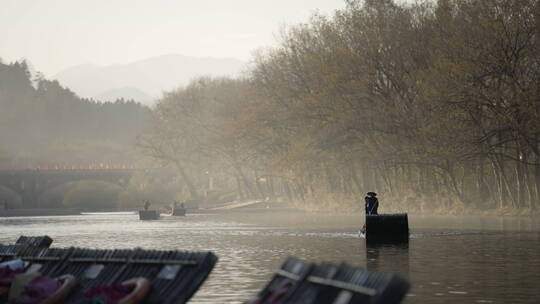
(447, 260)
(388, 258)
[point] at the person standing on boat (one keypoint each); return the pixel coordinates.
(371, 206)
(372, 203)
(146, 205)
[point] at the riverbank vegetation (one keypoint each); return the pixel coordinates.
(435, 105)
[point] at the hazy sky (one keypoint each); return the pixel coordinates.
(56, 34)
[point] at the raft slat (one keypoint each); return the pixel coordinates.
(342, 285)
(288, 275)
(40, 259)
(132, 261)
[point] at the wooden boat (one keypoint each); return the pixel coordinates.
(386, 228)
(179, 212)
(148, 215)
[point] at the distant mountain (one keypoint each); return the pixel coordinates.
(145, 79)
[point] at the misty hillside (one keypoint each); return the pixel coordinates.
(45, 123)
(150, 76)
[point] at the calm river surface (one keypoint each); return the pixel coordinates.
(449, 259)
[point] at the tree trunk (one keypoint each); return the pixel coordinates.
(239, 187)
(189, 183)
(271, 189)
(259, 186)
(501, 195)
(288, 191)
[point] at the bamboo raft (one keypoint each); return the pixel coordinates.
(174, 275)
(301, 282)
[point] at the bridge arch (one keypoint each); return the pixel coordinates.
(30, 185)
(92, 194)
(10, 197)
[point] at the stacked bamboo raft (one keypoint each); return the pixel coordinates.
(174, 275)
(301, 282)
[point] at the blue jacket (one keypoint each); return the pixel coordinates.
(372, 203)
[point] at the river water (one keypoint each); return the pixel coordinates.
(448, 260)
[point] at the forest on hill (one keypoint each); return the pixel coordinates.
(434, 105)
(45, 124)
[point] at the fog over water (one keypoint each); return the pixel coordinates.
(448, 260)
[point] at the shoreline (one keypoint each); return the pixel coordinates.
(38, 212)
(270, 207)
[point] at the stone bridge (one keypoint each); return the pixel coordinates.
(30, 184)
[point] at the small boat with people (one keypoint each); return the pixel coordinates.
(178, 210)
(383, 228)
(148, 214)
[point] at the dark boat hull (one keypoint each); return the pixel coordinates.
(387, 228)
(148, 215)
(179, 212)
